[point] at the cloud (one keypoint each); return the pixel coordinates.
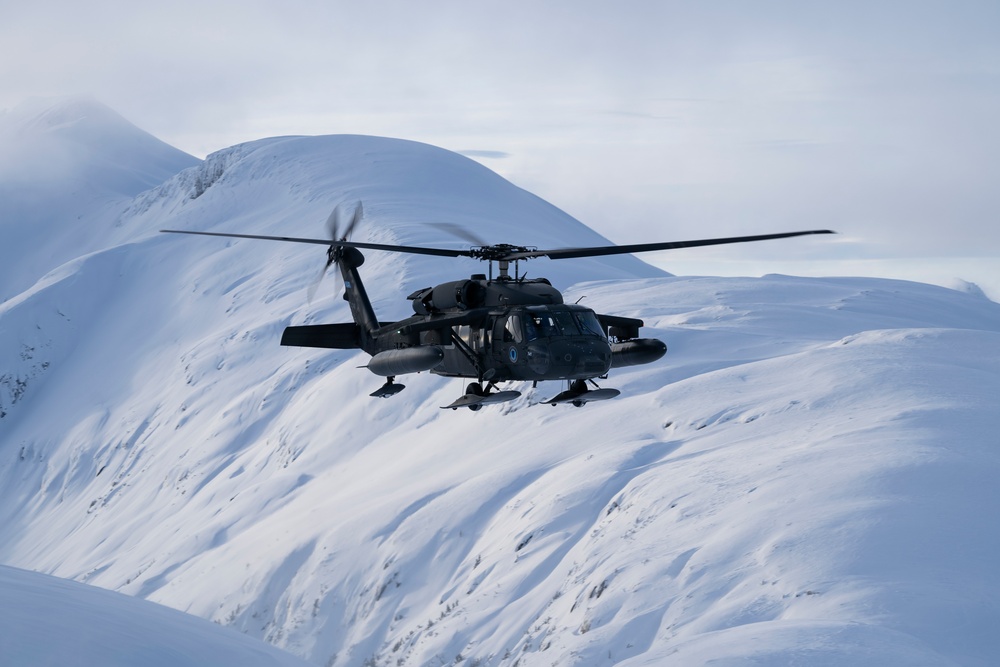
(491, 155)
(664, 119)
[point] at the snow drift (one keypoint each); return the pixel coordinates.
(49, 621)
(807, 476)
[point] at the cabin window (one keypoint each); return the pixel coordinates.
(512, 332)
(468, 334)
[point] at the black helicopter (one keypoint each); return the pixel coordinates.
(488, 328)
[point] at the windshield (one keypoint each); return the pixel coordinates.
(545, 323)
(588, 322)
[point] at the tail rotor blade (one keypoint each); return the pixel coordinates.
(314, 285)
(355, 219)
(332, 223)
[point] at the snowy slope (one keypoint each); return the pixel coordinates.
(48, 621)
(805, 477)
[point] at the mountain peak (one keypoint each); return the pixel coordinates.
(53, 113)
(81, 140)
(63, 162)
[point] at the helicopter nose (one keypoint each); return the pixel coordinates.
(587, 357)
(538, 358)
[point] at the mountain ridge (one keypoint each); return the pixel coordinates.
(791, 482)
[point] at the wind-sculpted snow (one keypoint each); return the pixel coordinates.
(805, 477)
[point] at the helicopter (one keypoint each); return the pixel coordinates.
(490, 328)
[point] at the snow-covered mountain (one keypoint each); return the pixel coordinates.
(806, 477)
(66, 169)
(46, 621)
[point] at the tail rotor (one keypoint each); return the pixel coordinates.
(334, 232)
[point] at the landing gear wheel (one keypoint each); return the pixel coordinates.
(390, 388)
(475, 398)
(474, 389)
(579, 395)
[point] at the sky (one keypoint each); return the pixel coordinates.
(647, 120)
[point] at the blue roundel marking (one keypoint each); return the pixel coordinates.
(513, 354)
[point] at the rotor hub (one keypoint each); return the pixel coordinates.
(501, 252)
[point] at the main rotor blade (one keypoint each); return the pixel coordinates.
(509, 253)
(567, 253)
(460, 232)
(440, 252)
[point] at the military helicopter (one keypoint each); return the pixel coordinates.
(489, 328)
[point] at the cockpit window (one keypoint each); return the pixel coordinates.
(540, 325)
(566, 323)
(588, 322)
(547, 323)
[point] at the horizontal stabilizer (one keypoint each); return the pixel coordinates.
(339, 336)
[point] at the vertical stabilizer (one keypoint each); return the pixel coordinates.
(354, 291)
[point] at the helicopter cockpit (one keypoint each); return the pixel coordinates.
(564, 339)
(531, 323)
(549, 321)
